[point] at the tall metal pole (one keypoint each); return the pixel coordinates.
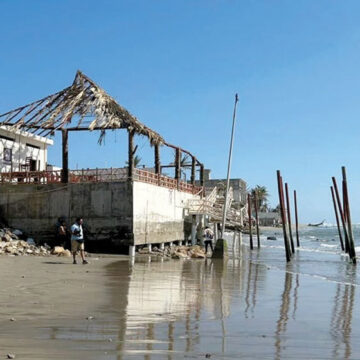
(229, 168)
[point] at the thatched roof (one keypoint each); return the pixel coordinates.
(81, 106)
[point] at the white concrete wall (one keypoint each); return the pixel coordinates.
(158, 213)
(21, 150)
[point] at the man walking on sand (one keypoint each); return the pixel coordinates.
(77, 240)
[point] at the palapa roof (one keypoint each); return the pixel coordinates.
(81, 106)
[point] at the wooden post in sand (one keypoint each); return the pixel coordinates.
(283, 215)
(337, 218)
(65, 157)
(250, 222)
(348, 217)
(257, 220)
(341, 215)
(296, 220)
(289, 217)
(131, 134)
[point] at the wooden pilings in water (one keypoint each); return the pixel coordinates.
(337, 218)
(250, 222)
(283, 215)
(348, 216)
(345, 216)
(346, 238)
(296, 220)
(257, 219)
(289, 217)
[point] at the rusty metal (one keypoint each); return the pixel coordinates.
(250, 222)
(289, 217)
(296, 220)
(337, 218)
(283, 215)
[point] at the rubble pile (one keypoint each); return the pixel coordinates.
(177, 252)
(15, 243)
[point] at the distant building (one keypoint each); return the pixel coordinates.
(238, 186)
(269, 219)
(22, 151)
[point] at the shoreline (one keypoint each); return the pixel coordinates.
(254, 306)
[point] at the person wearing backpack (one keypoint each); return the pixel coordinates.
(208, 238)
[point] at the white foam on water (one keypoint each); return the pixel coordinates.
(329, 246)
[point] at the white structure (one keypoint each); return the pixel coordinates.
(22, 151)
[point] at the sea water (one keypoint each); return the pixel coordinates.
(319, 253)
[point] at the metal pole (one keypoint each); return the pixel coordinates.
(296, 220)
(289, 217)
(337, 218)
(229, 167)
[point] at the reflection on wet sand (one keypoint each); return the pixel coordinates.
(225, 308)
(340, 327)
(284, 315)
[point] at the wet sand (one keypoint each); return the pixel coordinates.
(174, 309)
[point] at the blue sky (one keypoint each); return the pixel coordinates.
(176, 66)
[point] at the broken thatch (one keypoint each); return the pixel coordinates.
(81, 106)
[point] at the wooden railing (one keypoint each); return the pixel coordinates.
(96, 175)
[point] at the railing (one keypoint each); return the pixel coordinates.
(96, 175)
(31, 177)
(164, 181)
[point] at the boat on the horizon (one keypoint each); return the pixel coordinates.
(319, 224)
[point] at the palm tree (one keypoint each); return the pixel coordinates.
(137, 160)
(261, 196)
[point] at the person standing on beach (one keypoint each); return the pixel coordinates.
(77, 240)
(62, 234)
(208, 238)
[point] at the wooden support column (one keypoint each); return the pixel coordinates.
(177, 164)
(131, 154)
(157, 159)
(65, 157)
(201, 175)
(193, 166)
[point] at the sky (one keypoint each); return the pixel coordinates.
(176, 65)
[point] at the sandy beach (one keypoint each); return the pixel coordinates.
(251, 306)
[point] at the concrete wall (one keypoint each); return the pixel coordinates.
(116, 214)
(105, 207)
(159, 214)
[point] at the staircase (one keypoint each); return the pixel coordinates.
(213, 205)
